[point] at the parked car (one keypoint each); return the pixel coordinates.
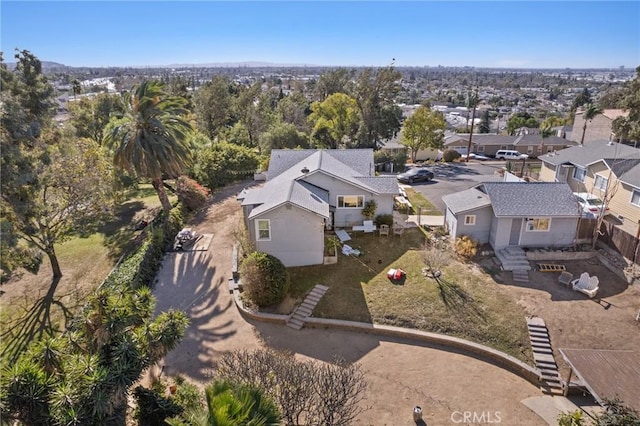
(508, 154)
(416, 174)
(478, 157)
(591, 205)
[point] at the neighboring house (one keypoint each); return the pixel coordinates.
(534, 145)
(599, 168)
(308, 191)
(514, 214)
(395, 146)
(600, 128)
(488, 144)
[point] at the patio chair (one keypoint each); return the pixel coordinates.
(580, 282)
(384, 230)
(397, 229)
(369, 226)
(566, 278)
(588, 286)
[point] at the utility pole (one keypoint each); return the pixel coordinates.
(473, 119)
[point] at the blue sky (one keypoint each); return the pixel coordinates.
(530, 34)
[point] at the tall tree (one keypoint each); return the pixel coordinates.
(520, 119)
(76, 88)
(255, 111)
(588, 113)
(282, 135)
(295, 109)
(423, 129)
(334, 81)
(72, 195)
(213, 106)
(629, 127)
(153, 138)
(90, 116)
(380, 117)
(334, 120)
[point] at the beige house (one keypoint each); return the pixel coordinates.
(605, 169)
(600, 128)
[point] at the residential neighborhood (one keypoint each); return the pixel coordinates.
(320, 213)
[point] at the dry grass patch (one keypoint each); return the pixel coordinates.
(464, 302)
(418, 201)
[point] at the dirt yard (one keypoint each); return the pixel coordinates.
(575, 321)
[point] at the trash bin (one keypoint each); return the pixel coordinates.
(417, 413)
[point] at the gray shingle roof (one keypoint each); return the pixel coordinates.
(589, 153)
(535, 199)
(463, 201)
(536, 139)
(481, 139)
(627, 170)
(285, 183)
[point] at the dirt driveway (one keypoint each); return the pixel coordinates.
(400, 373)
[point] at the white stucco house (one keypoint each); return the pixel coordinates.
(537, 214)
(308, 192)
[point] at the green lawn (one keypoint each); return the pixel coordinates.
(465, 302)
(418, 200)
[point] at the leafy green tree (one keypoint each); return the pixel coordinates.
(618, 414)
(295, 109)
(484, 122)
(581, 99)
(612, 98)
(380, 117)
(153, 139)
(222, 163)
(423, 129)
(334, 81)
(629, 127)
(84, 376)
(214, 106)
(72, 195)
(334, 120)
(589, 112)
(552, 121)
(76, 88)
(520, 119)
(255, 111)
(90, 116)
(280, 136)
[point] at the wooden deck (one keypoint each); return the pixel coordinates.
(607, 373)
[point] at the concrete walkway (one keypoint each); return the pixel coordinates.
(426, 220)
(400, 373)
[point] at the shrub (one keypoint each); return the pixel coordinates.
(265, 278)
(153, 408)
(384, 219)
(369, 209)
(450, 155)
(223, 163)
(191, 193)
(466, 247)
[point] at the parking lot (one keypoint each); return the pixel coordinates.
(456, 177)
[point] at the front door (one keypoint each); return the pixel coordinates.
(514, 237)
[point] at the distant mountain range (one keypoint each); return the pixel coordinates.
(49, 65)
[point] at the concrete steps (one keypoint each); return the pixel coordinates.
(513, 258)
(550, 381)
(302, 312)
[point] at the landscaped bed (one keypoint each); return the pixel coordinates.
(464, 302)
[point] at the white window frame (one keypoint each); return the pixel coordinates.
(258, 221)
(470, 219)
(581, 169)
(603, 184)
(530, 149)
(360, 197)
(480, 148)
(533, 223)
(636, 193)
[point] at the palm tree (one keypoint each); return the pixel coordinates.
(152, 139)
(233, 404)
(545, 132)
(588, 113)
(76, 88)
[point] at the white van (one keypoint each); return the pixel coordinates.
(507, 154)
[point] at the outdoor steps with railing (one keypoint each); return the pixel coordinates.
(513, 258)
(302, 312)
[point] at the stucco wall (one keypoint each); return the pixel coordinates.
(597, 129)
(479, 231)
(621, 205)
(547, 173)
(297, 236)
(561, 234)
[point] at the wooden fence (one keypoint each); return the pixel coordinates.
(623, 242)
(585, 229)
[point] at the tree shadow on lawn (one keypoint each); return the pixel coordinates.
(186, 282)
(459, 301)
(119, 233)
(37, 322)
